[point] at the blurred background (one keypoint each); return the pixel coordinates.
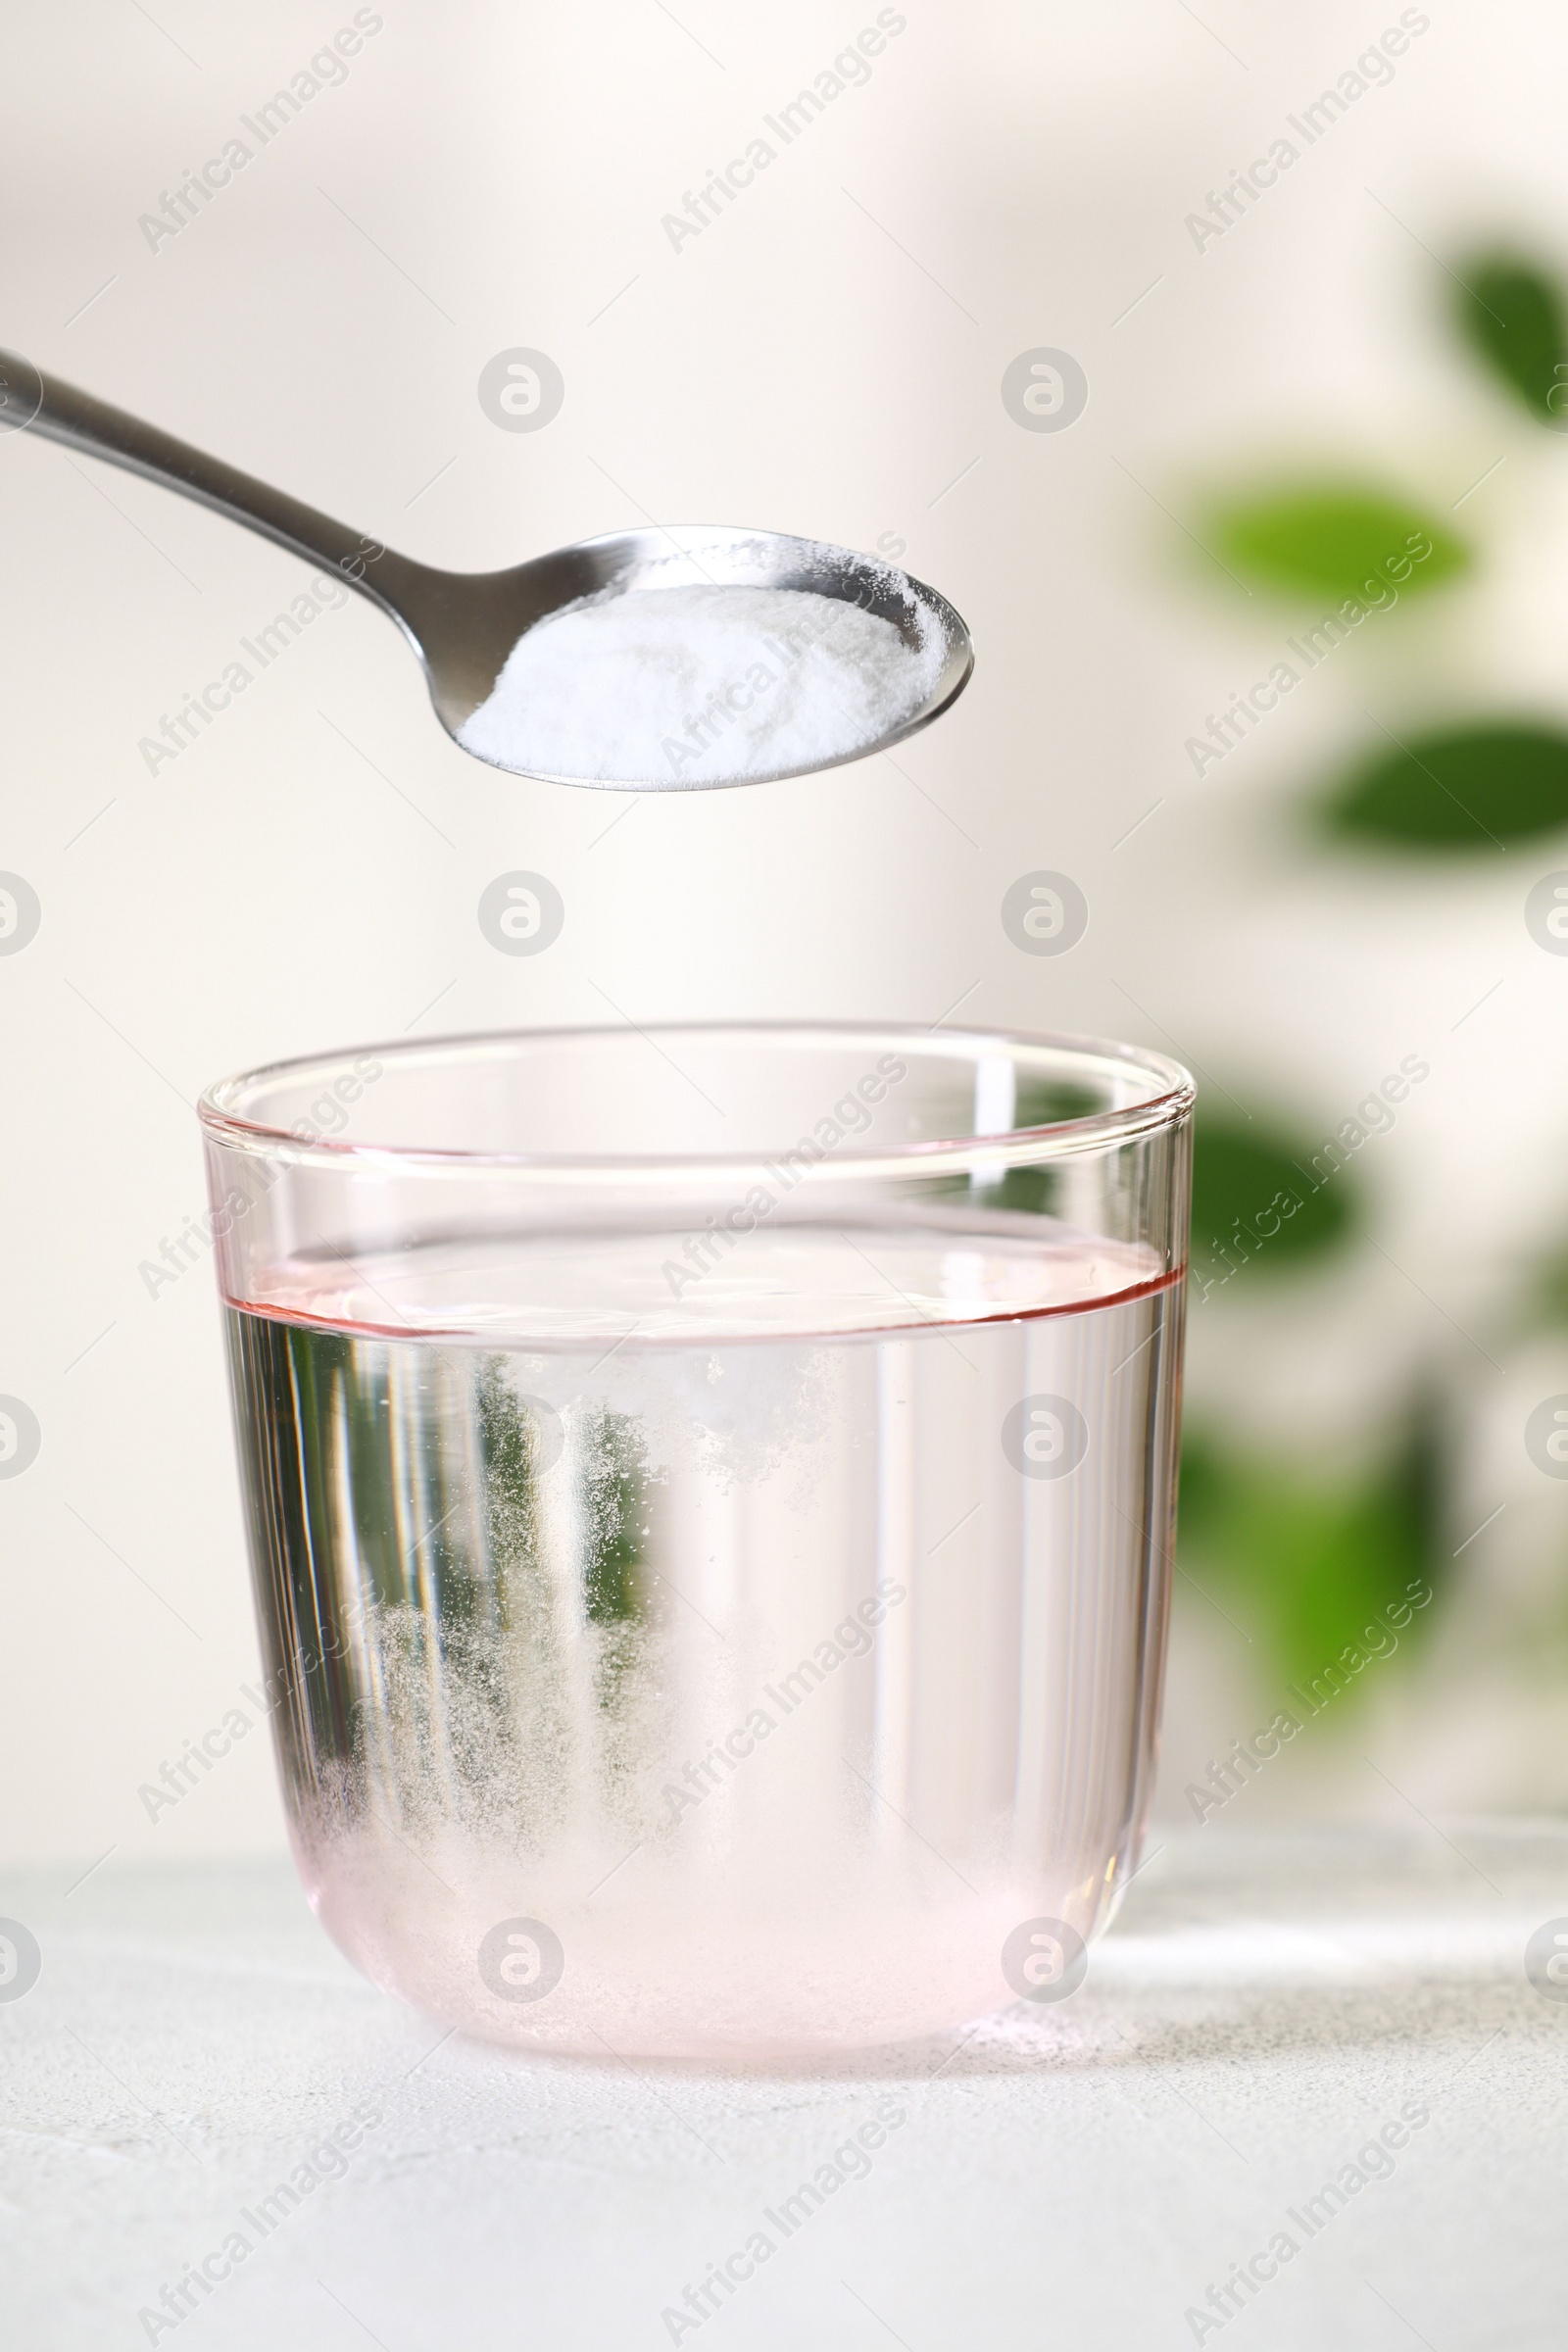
(1271, 634)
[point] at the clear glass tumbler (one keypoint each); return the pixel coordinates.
(711, 1496)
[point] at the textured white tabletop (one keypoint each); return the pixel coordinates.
(1246, 2065)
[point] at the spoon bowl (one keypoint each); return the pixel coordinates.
(463, 624)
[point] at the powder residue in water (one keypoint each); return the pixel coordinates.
(702, 685)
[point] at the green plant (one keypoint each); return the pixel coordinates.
(1255, 1197)
(1300, 1558)
(1334, 540)
(1308, 1562)
(1512, 315)
(1461, 788)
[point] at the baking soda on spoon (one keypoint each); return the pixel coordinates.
(702, 685)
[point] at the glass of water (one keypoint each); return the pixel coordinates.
(711, 1497)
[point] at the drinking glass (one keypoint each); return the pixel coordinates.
(710, 1498)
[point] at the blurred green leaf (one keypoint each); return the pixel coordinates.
(1542, 1303)
(613, 1500)
(1336, 542)
(1308, 1566)
(1467, 788)
(1026, 1191)
(1512, 313)
(1045, 1102)
(1259, 1202)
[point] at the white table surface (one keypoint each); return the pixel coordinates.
(1078, 2175)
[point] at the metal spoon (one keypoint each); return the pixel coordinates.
(463, 624)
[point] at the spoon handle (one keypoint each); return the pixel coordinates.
(44, 403)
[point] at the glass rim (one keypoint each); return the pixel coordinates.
(1172, 1094)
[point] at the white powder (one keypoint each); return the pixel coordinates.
(702, 685)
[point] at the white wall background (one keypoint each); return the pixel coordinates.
(825, 358)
